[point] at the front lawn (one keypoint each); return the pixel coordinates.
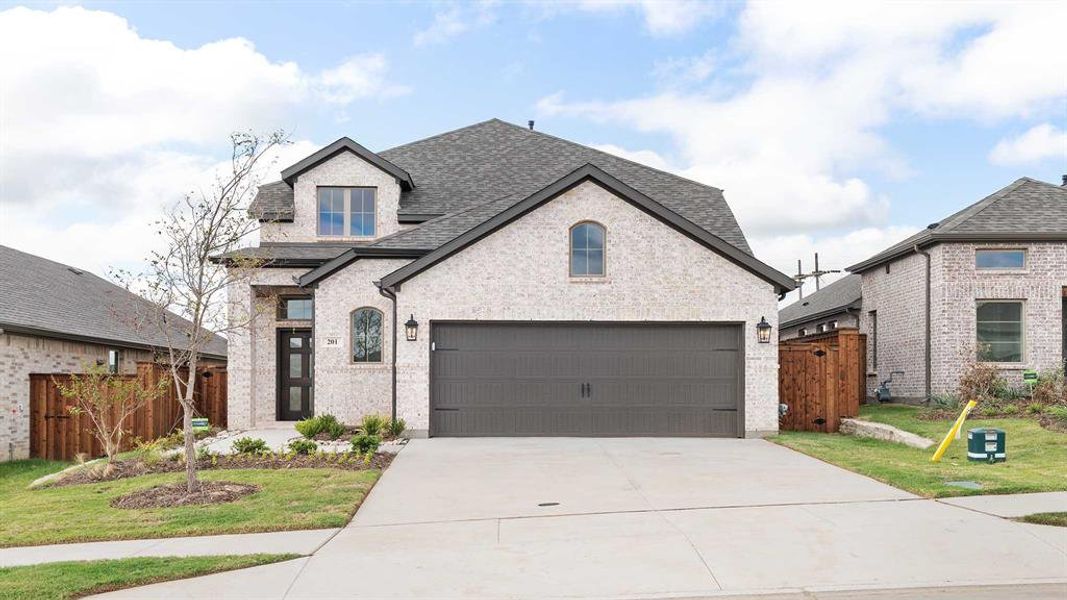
(78, 579)
(289, 499)
(1035, 455)
(1059, 519)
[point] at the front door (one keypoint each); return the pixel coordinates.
(294, 374)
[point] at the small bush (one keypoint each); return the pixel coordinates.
(1010, 409)
(247, 445)
(1035, 408)
(1058, 412)
(302, 446)
(309, 427)
(365, 444)
(1050, 388)
(990, 410)
(373, 425)
(980, 382)
(335, 430)
(948, 401)
(204, 453)
(397, 427)
(150, 452)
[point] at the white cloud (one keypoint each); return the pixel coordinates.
(455, 21)
(362, 76)
(661, 17)
(823, 82)
(1039, 143)
(685, 70)
(645, 157)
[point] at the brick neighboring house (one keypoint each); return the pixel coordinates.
(53, 319)
(836, 305)
(551, 289)
(987, 283)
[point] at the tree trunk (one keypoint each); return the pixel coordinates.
(192, 484)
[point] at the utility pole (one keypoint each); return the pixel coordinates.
(817, 274)
(801, 276)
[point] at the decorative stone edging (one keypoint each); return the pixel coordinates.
(881, 431)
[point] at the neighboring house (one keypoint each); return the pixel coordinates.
(494, 280)
(987, 283)
(836, 305)
(54, 319)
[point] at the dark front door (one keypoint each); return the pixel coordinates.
(294, 374)
(586, 379)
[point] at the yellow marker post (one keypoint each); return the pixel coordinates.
(952, 432)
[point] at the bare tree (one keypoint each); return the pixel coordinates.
(108, 400)
(185, 283)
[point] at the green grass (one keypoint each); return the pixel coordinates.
(289, 499)
(1035, 455)
(77, 579)
(1059, 519)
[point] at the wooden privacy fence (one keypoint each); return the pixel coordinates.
(55, 434)
(821, 378)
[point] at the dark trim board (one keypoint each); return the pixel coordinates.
(290, 174)
(702, 423)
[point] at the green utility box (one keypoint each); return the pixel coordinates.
(986, 444)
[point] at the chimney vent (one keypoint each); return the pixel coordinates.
(933, 225)
(530, 123)
(1065, 181)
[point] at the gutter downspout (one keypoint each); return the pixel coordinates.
(391, 295)
(928, 362)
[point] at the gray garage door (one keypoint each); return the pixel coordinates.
(585, 379)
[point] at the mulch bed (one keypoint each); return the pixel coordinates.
(133, 468)
(175, 494)
(1053, 424)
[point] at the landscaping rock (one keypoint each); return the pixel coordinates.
(881, 431)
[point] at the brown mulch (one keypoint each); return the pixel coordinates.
(132, 468)
(175, 494)
(1053, 424)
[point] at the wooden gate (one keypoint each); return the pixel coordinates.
(57, 435)
(821, 379)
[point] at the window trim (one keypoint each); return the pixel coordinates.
(1026, 260)
(1022, 329)
(603, 251)
(114, 368)
(352, 337)
(346, 226)
(283, 315)
(803, 331)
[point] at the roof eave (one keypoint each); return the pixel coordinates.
(949, 236)
(837, 310)
(100, 341)
(589, 172)
(290, 174)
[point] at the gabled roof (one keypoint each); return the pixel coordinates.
(345, 144)
(587, 173)
(1026, 210)
(473, 166)
(50, 299)
(836, 298)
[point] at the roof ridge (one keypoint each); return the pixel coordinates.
(615, 156)
(442, 134)
(975, 209)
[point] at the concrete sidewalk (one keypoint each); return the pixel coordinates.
(281, 542)
(1012, 505)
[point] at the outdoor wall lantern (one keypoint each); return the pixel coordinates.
(763, 331)
(411, 329)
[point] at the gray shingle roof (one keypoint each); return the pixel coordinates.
(1027, 209)
(836, 297)
(472, 167)
(42, 296)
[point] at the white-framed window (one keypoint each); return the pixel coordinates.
(803, 331)
(1000, 331)
(114, 359)
(347, 211)
(587, 249)
(1000, 259)
(832, 325)
(820, 328)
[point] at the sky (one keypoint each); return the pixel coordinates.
(836, 127)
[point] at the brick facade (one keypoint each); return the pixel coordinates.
(21, 355)
(956, 288)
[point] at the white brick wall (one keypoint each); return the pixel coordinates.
(344, 170)
(21, 355)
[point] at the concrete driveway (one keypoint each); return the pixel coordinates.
(635, 518)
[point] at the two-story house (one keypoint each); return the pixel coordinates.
(986, 284)
(495, 280)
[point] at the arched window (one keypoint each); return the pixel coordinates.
(366, 335)
(587, 250)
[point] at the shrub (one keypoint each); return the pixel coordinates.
(1050, 388)
(980, 382)
(363, 443)
(302, 446)
(204, 453)
(1058, 412)
(1011, 394)
(1010, 409)
(372, 425)
(1035, 408)
(309, 427)
(247, 445)
(990, 410)
(397, 427)
(335, 429)
(949, 401)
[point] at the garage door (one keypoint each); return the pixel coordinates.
(585, 379)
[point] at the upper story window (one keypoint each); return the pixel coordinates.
(820, 328)
(587, 250)
(1000, 259)
(366, 335)
(802, 332)
(347, 211)
(114, 359)
(295, 308)
(1000, 331)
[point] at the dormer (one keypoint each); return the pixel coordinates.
(342, 193)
